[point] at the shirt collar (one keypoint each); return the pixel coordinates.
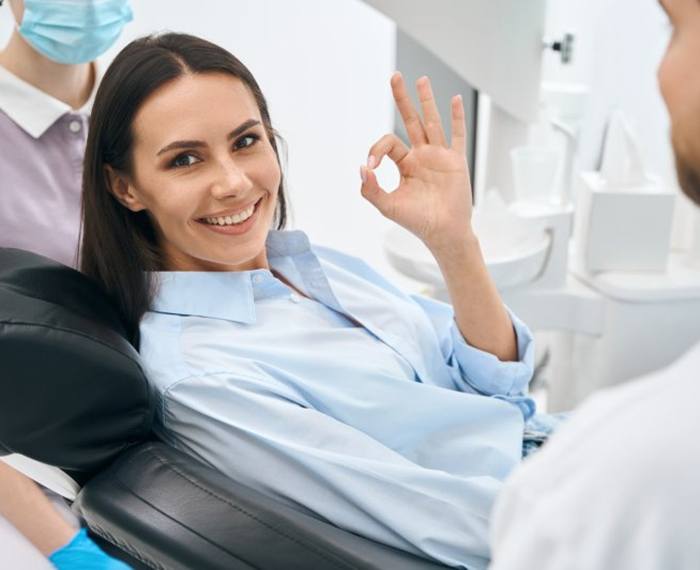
(31, 108)
(228, 295)
(286, 243)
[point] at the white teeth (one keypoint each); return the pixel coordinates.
(231, 220)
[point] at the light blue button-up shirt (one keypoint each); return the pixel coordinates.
(361, 404)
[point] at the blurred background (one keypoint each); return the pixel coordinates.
(325, 65)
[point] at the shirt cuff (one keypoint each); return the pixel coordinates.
(488, 375)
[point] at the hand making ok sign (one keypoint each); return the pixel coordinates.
(433, 199)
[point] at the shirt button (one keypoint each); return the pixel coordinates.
(74, 126)
(257, 278)
(294, 298)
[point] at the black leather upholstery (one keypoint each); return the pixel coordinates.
(177, 513)
(73, 394)
(72, 389)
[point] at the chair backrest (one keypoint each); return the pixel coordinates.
(72, 390)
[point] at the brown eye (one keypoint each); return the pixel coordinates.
(183, 160)
(246, 141)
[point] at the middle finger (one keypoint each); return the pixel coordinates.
(411, 118)
(431, 116)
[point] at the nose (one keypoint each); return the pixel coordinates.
(230, 180)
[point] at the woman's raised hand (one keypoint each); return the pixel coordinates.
(434, 198)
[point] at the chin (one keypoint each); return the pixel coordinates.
(249, 256)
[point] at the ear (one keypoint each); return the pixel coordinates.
(122, 189)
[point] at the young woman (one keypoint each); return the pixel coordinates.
(293, 368)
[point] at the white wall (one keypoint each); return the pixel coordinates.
(324, 66)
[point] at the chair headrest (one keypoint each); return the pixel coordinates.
(72, 393)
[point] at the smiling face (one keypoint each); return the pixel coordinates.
(679, 80)
(204, 170)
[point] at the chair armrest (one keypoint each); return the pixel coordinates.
(171, 511)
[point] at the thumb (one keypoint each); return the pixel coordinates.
(374, 193)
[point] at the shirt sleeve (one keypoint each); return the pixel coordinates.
(311, 461)
(481, 372)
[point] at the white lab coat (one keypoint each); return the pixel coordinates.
(617, 488)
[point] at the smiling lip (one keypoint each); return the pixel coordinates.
(230, 212)
(236, 229)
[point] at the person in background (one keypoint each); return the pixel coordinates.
(618, 487)
(47, 79)
(46, 526)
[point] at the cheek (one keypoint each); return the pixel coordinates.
(169, 208)
(679, 80)
(268, 173)
(666, 76)
(672, 90)
(17, 8)
(680, 86)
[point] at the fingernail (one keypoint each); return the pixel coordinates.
(371, 162)
(363, 174)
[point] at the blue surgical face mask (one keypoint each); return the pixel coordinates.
(73, 31)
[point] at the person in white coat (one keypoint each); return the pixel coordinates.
(618, 487)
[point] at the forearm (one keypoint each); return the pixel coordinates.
(24, 505)
(479, 311)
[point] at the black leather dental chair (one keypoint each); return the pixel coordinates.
(73, 395)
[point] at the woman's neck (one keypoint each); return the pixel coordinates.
(70, 83)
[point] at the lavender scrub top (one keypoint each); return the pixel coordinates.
(42, 142)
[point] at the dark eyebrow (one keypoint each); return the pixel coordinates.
(198, 144)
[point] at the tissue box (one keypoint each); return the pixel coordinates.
(627, 229)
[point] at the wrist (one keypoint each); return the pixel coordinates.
(82, 552)
(452, 249)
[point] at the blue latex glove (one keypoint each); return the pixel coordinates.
(81, 553)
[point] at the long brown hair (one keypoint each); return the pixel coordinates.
(119, 247)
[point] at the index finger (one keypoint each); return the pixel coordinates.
(409, 115)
